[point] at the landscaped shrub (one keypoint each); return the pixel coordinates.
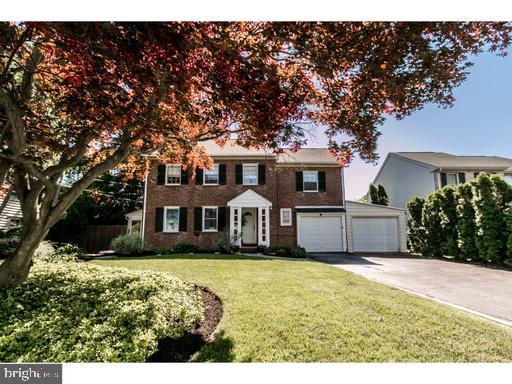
(449, 220)
(508, 219)
(416, 231)
(185, 248)
(9, 241)
(431, 220)
(488, 219)
(68, 252)
(378, 195)
(80, 312)
(285, 251)
(44, 251)
(466, 229)
(127, 244)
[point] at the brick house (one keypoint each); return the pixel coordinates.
(257, 197)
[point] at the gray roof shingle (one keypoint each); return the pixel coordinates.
(448, 161)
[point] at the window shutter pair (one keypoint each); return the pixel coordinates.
(299, 181)
(239, 174)
(222, 175)
(161, 175)
(221, 219)
(159, 219)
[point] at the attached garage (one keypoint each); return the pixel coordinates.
(320, 229)
(375, 228)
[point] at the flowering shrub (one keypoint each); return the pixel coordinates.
(80, 312)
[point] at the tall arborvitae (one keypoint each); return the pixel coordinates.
(416, 231)
(448, 216)
(488, 219)
(431, 220)
(466, 229)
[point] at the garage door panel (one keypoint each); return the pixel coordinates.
(320, 233)
(375, 234)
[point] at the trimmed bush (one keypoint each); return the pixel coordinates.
(185, 248)
(9, 241)
(44, 251)
(466, 228)
(431, 220)
(85, 313)
(488, 219)
(508, 219)
(285, 251)
(68, 252)
(416, 231)
(127, 244)
(449, 221)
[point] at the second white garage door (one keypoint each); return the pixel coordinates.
(375, 234)
(320, 233)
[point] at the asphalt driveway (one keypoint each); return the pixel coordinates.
(475, 288)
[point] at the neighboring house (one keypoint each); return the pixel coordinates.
(261, 199)
(11, 215)
(405, 175)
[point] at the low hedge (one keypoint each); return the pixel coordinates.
(74, 312)
(286, 251)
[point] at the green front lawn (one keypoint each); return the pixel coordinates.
(279, 310)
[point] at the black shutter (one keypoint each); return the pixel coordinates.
(161, 174)
(221, 212)
(198, 219)
(222, 174)
(239, 174)
(183, 219)
(321, 181)
(199, 176)
(443, 179)
(299, 181)
(262, 177)
(184, 177)
(159, 220)
(462, 178)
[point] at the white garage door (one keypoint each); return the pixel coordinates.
(320, 233)
(375, 234)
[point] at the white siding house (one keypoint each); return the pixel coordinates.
(11, 215)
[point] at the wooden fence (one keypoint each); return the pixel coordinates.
(98, 237)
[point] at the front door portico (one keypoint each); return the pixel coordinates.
(249, 222)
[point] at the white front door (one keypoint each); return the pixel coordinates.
(249, 219)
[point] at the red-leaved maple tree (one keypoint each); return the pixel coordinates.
(99, 95)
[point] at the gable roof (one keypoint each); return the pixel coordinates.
(304, 155)
(448, 161)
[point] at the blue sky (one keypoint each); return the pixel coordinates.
(480, 123)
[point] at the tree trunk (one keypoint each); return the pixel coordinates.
(14, 270)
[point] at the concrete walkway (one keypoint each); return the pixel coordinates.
(484, 291)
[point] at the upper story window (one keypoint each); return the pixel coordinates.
(250, 174)
(310, 181)
(172, 174)
(171, 219)
(211, 177)
(508, 179)
(210, 219)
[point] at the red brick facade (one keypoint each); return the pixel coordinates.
(279, 188)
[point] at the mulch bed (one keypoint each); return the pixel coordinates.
(182, 349)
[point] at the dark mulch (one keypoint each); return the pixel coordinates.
(182, 349)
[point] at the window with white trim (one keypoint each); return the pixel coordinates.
(310, 181)
(172, 174)
(211, 176)
(286, 217)
(452, 179)
(508, 179)
(250, 172)
(210, 219)
(171, 219)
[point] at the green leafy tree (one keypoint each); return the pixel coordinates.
(378, 195)
(416, 230)
(488, 219)
(466, 228)
(508, 217)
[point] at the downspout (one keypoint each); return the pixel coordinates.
(144, 208)
(342, 170)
